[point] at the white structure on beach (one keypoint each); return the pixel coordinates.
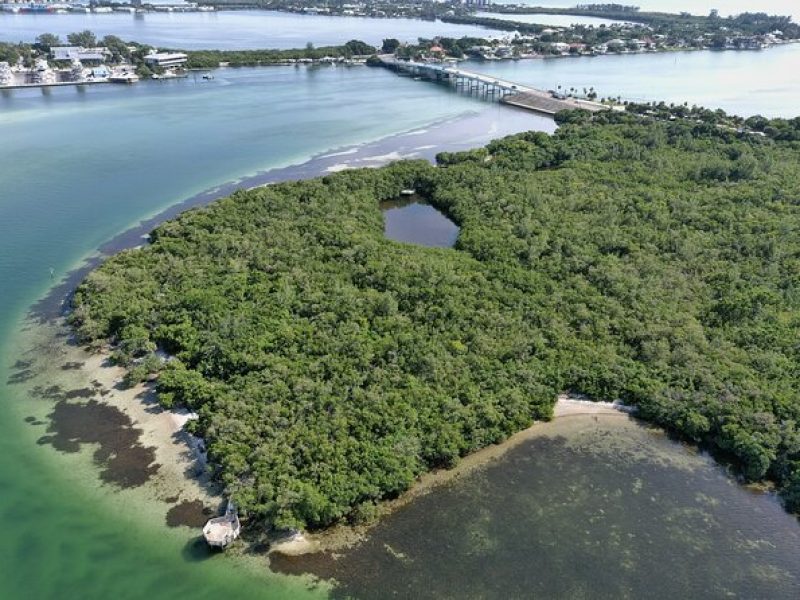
(6, 75)
(221, 532)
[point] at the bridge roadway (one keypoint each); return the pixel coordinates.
(509, 92)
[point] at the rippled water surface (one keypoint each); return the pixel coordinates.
(590, 507)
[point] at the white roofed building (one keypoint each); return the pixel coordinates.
(84, 55)
(166, 59)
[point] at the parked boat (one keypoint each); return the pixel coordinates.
(42, 73)
(77, 72)
(221, 532)
(170, 74)
(6, 75)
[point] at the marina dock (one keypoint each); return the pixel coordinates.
(508, 92)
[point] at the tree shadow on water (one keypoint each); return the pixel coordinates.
(196, 550)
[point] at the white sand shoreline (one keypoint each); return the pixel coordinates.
(183, 473)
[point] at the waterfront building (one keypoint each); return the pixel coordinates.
(42, 74)
(77, 72)
(84, 55)
(27, 6)
(166, 59)
(100, 72)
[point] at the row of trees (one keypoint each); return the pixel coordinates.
(653, 260)
(747, 23)
(209, 59)
(672, 29)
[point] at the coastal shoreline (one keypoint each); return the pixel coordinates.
(181, 482)
(462, 132)
(160, 463)
(342, 536)
(143, 452)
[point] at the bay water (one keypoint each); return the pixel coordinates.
(253, 28)
(695, 7)
(765, 82)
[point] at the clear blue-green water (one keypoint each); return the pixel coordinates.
(77, 167)
(254, 28)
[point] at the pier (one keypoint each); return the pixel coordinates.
(221, 532)
(508, 92)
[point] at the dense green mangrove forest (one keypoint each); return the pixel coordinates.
(652, 258)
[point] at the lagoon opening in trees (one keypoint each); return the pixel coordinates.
(411, 219)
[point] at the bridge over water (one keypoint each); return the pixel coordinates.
(508, 92)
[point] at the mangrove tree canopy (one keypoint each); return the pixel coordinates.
(650, 258)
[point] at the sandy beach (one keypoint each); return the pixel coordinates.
(182, 468)
(137, 447)
(168, 466)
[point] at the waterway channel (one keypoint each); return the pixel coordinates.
(253, 28)
(695, 7)
(745, 82)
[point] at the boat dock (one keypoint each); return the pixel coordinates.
(508, 92)
(221, 532)
(22, 86)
